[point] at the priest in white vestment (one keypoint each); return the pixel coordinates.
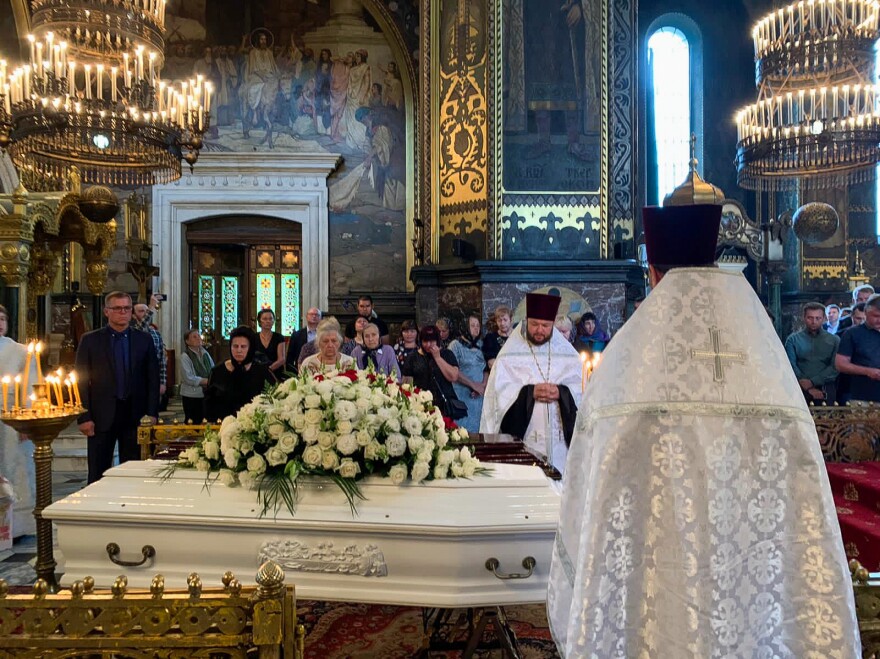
(535, 384)
(696, 517)
(16, 453)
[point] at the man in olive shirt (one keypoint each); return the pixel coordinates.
(811, 352)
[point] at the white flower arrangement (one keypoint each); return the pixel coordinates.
(344, 426)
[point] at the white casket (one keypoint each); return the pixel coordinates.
(421, 545)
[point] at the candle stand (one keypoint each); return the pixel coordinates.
(42, 423)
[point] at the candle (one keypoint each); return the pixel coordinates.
(69, 390)
(59, 375)
(6, 380)
(17, 381)
(39, 350)
(50, 388)
(583, 371)
(27, 368)
(73, 379)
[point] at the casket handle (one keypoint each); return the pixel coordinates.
(529, 562)
(113, 551)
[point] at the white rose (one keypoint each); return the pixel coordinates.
(425, 396)
(397, 474)
(247, 479)
(344, 427)
(445, 458)
(313, 416)
(312, 455)
(323, 388)
(363, 405)
(425, 454)
(412, 425)
(396, 445)
(287, 442)
(385, 413)
(457, 469)
(371, 450)
(465, 454)
(326, 439)
(330, 459)
(415, 443)
(203, 465)
(420, 471)
(378, 400)
(346, 444)
(246, 446)
(312, 401)
(299, 421)
(295, 397)
(470, 467)
(231, 458)
(393, 425)
(442, 438)
(275, 456)
(310, 434)
(393, 390)
(191, 455)
(227, 477)
(212, 450)
(275, 429)
(348, 468)
(228, 432)
(256, 464)
(363, 437)
(441, 472)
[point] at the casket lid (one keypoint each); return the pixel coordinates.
(513, 497)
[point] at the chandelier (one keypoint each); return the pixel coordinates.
(91, 96)
(816, 122)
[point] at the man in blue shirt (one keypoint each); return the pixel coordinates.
(859, 354)
(811, 352)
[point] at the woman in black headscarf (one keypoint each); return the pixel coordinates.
(236, 382)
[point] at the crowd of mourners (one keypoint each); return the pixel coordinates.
(450, 361)
(836, 356)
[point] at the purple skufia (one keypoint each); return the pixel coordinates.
(681, 236)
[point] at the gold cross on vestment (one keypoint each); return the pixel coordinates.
(715, 353)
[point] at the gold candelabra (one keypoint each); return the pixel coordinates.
(48, 414)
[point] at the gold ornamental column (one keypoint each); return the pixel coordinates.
(16, 239)
(456, 39)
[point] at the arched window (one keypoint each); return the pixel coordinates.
(674, 102)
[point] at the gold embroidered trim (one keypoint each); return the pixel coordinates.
(702, 409)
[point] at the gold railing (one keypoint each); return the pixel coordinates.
(229, 622)
(867, 592)
(849, 433)
(154, 438)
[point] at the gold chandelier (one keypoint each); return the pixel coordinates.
(91, 96)
(817, 119)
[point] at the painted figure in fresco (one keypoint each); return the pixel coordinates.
(339, 78)
(227, 92)
(392, 93)
(359, 83)
(260, 87)
(322, 91)
(386, 158)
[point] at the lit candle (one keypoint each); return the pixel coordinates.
(50, 388)
(17, 381)
(33, 398)
(27, 368)
(73, 379)
(583, 371)
(100, 81)
(59, 375)
(69, 384)
(6, 380)
(39, 349)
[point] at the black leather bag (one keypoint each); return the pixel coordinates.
(452, 407)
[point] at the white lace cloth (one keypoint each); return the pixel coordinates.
(697, 520)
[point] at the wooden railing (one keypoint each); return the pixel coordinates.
(232, 621)
(848, 433)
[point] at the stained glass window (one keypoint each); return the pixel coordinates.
(230, 304)
(206, 303)
(289, 304)
(266, 291)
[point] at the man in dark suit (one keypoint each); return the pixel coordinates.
(119, 384)
(300, 338)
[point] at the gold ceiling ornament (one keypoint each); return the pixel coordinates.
(816, 121)
(694, 190)
(91, 96)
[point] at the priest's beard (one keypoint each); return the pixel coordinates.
(536, 342)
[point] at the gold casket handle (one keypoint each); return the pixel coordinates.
(113, 551)
(492, 564)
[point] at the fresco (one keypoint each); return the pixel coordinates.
(308, 76)
(552, 116)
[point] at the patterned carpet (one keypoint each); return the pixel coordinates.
(366, 631)
(856, 490)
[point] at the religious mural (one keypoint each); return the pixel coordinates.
(308, 76)
(552, 95)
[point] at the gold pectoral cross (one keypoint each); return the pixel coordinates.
(715, 353)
